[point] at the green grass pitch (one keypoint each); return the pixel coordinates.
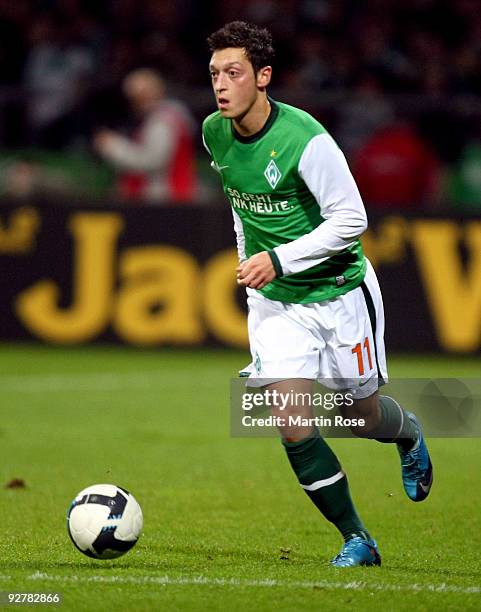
(217, 510)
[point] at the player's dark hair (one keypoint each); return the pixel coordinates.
(256, 41)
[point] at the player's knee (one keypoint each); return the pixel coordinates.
(295, 434)
(366, 412)
(292, 426)
(365, 407)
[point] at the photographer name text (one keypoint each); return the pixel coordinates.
(299, 421)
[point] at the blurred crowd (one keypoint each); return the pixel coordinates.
(397, 83)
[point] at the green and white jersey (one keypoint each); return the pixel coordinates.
(292, 194)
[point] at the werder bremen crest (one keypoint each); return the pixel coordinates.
(272, 174)
(257, 364)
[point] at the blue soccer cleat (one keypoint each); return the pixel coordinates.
(416, 467)
(357, 551)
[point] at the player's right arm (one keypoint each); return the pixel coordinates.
(239, 230)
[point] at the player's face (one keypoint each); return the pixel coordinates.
(236, 86)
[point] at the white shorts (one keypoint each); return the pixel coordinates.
(338, 342)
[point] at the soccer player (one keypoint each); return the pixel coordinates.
(315, 307)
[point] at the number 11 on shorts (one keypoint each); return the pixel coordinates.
(357, 350)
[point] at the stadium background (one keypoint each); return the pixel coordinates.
(150, 291)
(364, 70)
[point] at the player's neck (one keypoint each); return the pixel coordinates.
(254, 120)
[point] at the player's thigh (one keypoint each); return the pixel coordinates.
(282, 346)
(374, 303)
(354, 355)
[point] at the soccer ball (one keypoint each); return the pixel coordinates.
(104, 521)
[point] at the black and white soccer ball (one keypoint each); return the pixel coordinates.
(104, 521)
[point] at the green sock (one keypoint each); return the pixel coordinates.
(395, 425)
(320, 475)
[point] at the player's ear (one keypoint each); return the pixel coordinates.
(264, 77)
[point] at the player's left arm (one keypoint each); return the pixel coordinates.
(324, 169)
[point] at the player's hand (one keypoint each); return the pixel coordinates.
(256, 272)
(102, 141)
